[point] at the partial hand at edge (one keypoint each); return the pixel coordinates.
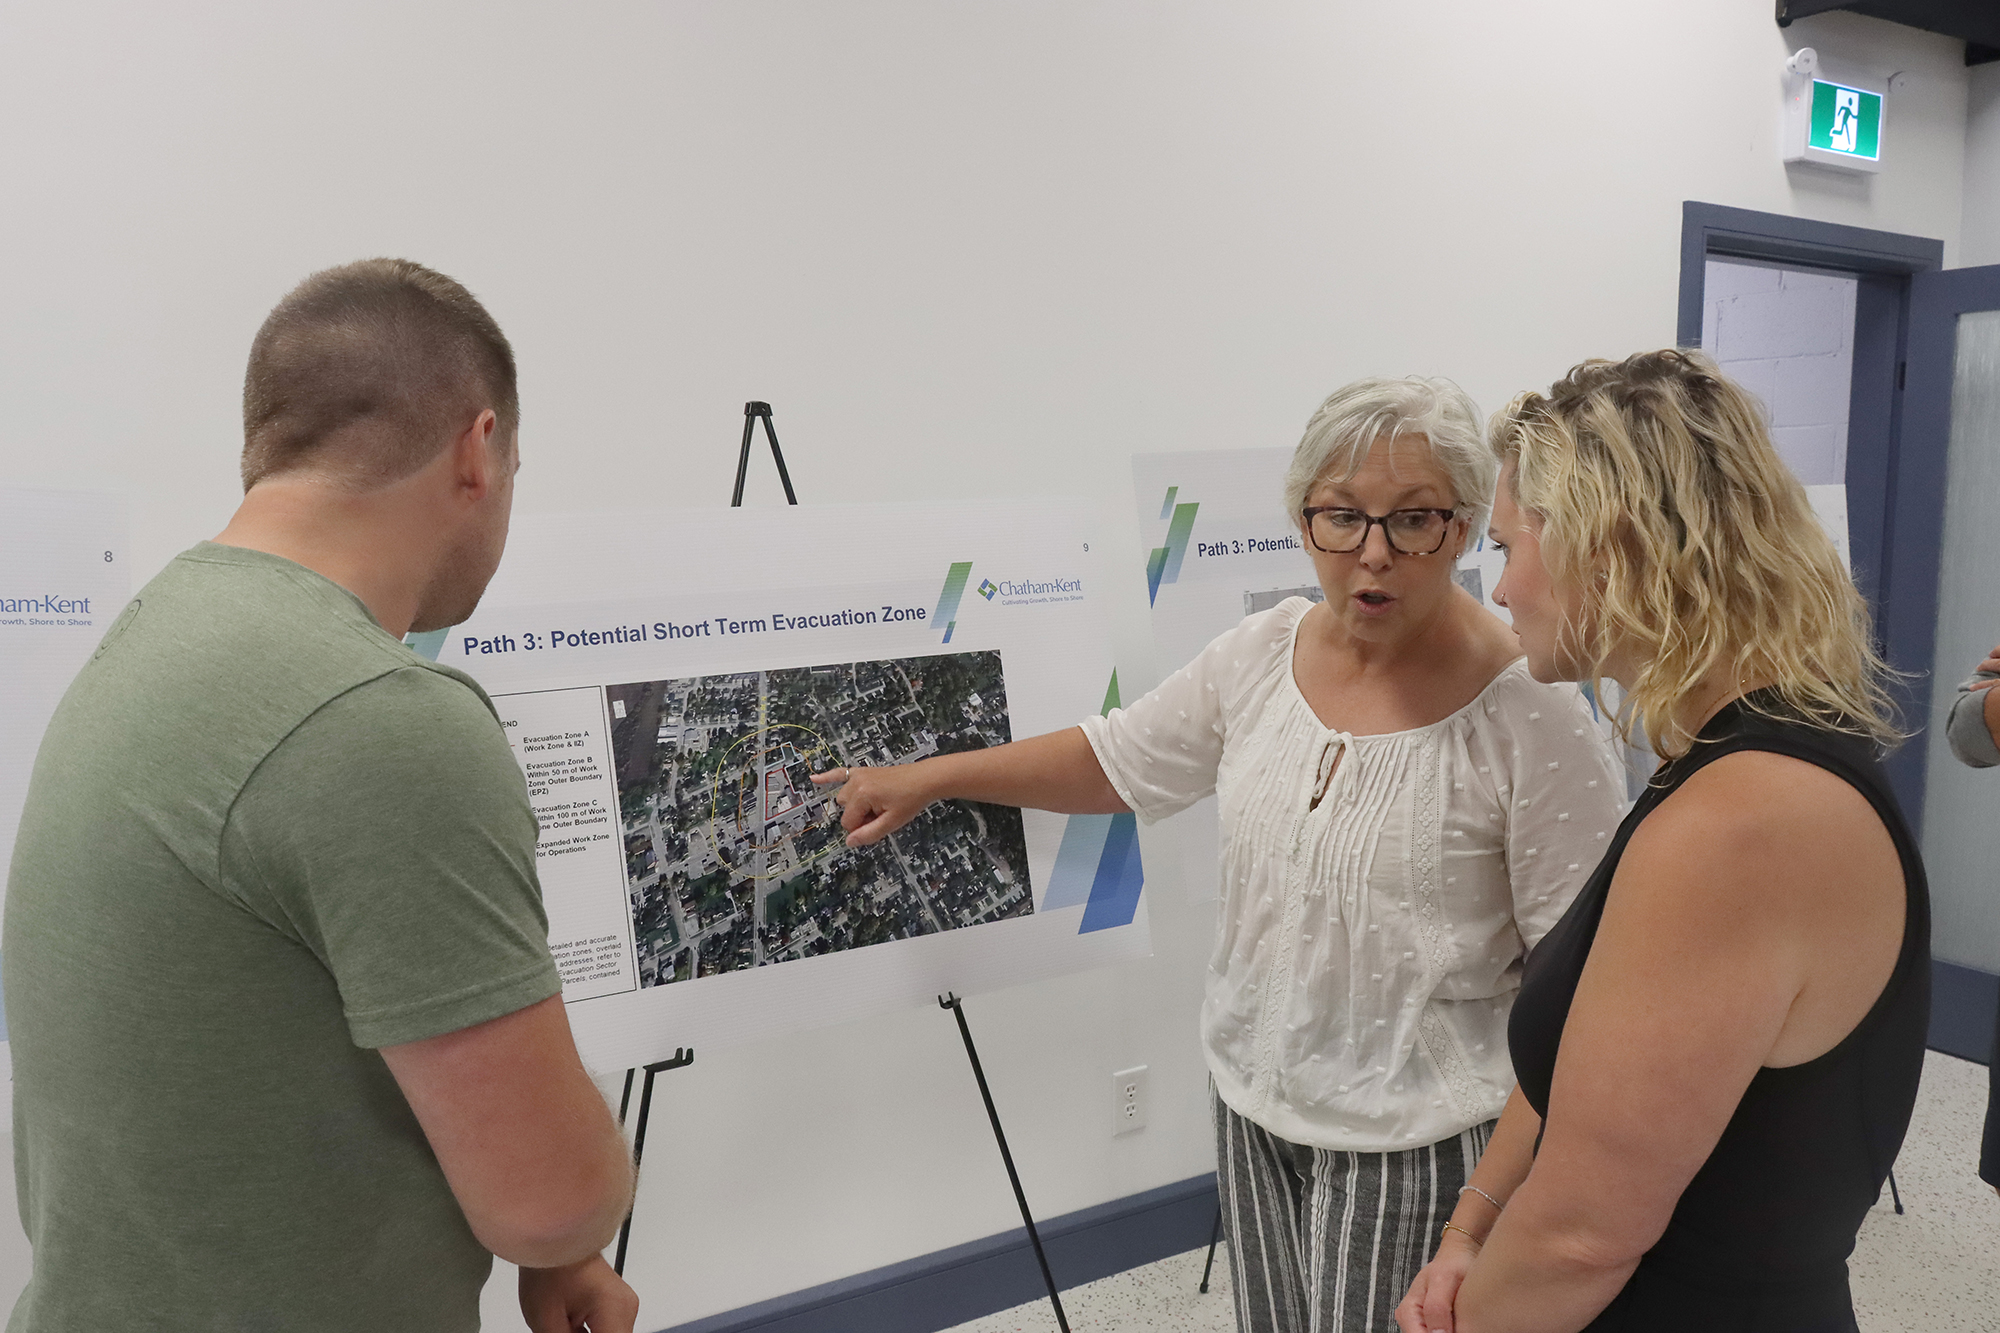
(586, 1295)
(1427, 1308)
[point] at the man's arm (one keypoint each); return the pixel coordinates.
(527, 1144)
(1977, 711)
(1973, 728)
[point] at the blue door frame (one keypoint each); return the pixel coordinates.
(1880, 502)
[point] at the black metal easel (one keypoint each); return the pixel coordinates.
(681, 1059)
(752, 411)
(957, 1007)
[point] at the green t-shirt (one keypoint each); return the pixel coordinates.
(262, 839)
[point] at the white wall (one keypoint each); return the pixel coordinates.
(1982, 167)
(1788, 337)
(963, 249)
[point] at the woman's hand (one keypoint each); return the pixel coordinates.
(1427, 1307)
(1056, 772)
(875, 802)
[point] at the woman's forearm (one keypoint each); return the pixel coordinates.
(1536, 1273)
(1502, 1168)
(1056, 772)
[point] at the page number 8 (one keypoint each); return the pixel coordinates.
(107, 557)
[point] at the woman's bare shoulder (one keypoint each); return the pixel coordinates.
(1762, 787)
(1763, 823)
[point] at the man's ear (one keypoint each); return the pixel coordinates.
(475, 457)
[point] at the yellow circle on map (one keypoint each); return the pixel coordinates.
(806, 752)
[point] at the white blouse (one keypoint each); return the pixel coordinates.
(1368, 947)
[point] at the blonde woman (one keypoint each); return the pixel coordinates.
(1403, 811)
(1718, 1045)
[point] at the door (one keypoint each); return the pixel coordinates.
(1947, 535)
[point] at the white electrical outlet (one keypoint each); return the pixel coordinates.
(1128, 1100)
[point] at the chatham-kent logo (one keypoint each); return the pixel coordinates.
(45, 606)
(1029, 587)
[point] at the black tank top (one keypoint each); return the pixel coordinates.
(1761, 1235)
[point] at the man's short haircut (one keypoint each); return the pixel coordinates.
(387, 345)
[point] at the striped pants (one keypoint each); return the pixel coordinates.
(1328, 1242)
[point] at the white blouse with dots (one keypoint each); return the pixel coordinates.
(1369, 943)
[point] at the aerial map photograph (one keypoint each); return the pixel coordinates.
(735, 859)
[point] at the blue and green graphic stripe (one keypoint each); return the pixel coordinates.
(954, 589)
(1097, 866)
(1164, 564)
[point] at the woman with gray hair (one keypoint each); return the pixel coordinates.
(1404, 811)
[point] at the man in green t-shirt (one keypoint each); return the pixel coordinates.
(289, 1047)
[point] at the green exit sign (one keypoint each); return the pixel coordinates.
(1846, 121)
(1833, 124)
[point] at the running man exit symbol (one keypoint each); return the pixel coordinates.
(1847, 121)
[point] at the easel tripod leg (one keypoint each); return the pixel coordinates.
(751, 412)
(778, 457)
(953, 1003)
(638, 1150)
(1214, 1239)
(680, 1059)
(743, 459)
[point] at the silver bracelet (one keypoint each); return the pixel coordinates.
(1474, 1189)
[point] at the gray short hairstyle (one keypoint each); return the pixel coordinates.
(1354, 417)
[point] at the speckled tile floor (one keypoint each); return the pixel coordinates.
(1160, 1298)
(1935, 1268)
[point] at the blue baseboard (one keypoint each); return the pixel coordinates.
(937, 1291)
(1964, 1002)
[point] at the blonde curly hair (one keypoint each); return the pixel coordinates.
(1699, 556)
